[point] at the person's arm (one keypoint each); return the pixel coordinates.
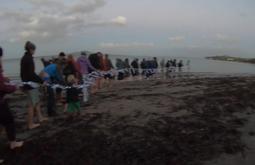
(37, 79)
(58, 74)
(78, 66)
(31, 71)
(5, 88)
(90, 65)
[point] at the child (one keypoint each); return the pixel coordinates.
(72, 96)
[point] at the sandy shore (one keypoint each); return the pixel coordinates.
(176, 121)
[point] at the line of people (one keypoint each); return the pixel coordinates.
(172, 65)
(64, 70)
(148, 67)
(67, 71)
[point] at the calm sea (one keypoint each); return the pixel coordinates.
(197, 65)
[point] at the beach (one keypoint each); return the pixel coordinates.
(183, 121)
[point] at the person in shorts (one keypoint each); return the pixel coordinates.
(28, 75)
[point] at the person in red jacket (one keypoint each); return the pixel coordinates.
(6, 117)
(107, 67)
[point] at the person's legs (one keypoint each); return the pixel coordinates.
(33, 99)
(106, 80)
(7, 120)
(65, 107)
(96, 87)
(77, 108)
(110, 82)
(30, 118)
(99, 80)
(85, 94)
(50, 101)
(39, 113)
(11, 134)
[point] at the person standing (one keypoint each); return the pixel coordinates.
(180, 65)
(84, 66)
(143, 66)
(120, 66)
(135, 67)
(155, 64)
(162, 65)
(107, 67)
(127, 67)
(6, 117)
(70, 67)
(72, 96)
(95, 60)
(27, 73)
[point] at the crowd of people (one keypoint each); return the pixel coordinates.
(76, 80)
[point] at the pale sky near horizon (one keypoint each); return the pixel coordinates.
(135, 27)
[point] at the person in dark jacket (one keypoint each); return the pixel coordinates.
(155, 64)
(27, 73)
(127, 67)
(95, 60)
(135, 67)
(180, 65)
(120, 65)
(6, 117)
(143, 66)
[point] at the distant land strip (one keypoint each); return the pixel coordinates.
(232, 59)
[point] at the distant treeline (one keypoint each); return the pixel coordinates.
(234, 59)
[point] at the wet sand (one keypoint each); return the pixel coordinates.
(176, 121)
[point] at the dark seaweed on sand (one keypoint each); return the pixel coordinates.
(209, 129)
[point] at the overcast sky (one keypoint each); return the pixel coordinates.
(135, 27)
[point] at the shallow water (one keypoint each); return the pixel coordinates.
(197, 65)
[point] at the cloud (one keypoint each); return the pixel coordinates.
(177, 39)
(226, 39)
(86, 6)
(119, 20)
(194, 46)
(47, 20)
(126, 45)
(44, 3)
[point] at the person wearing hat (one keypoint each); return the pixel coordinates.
(27, 73)
(6, 117)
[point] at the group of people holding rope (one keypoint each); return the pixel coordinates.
(63, 75)
(64, 79)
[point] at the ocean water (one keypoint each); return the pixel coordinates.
(197, 65)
